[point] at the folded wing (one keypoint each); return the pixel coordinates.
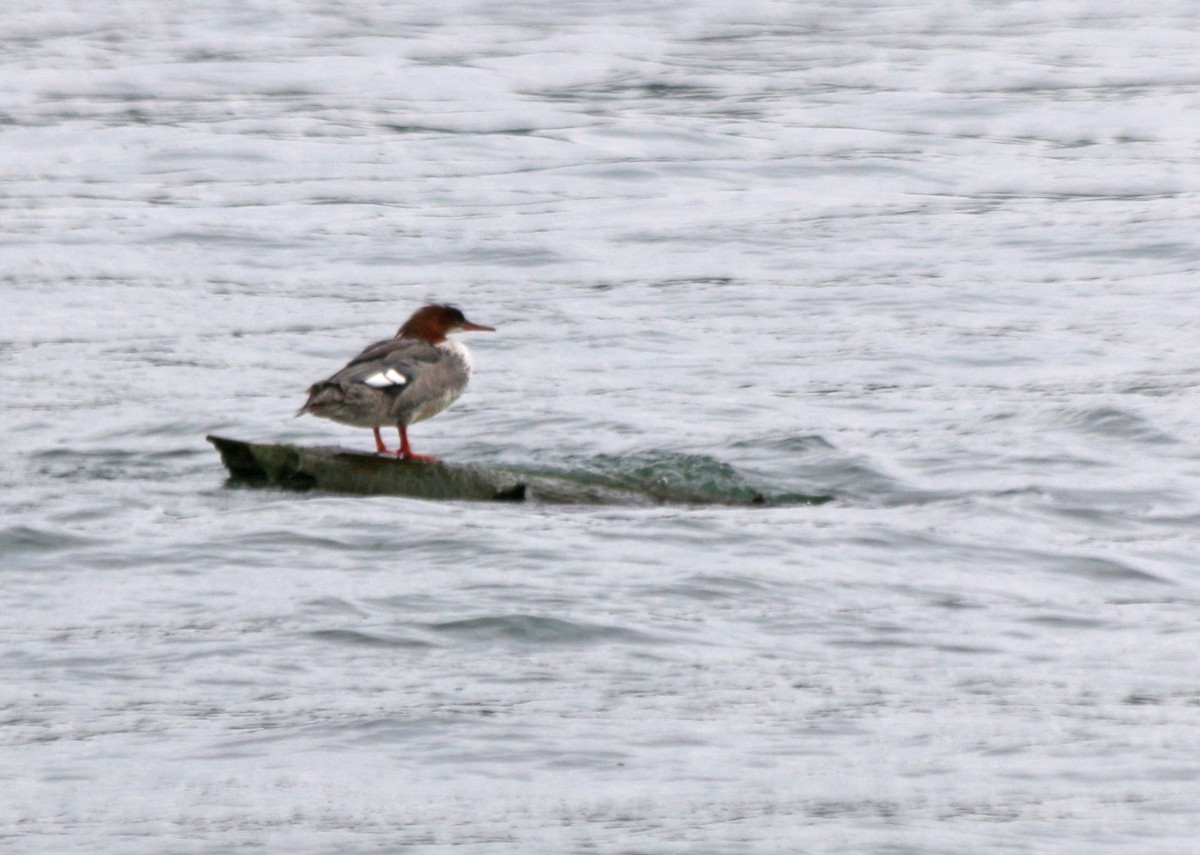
(394, 381)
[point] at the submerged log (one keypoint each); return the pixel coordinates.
(338, 469)
(666, 479)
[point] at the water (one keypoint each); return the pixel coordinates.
(936, 261)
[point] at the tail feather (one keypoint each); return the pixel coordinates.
(321, 396)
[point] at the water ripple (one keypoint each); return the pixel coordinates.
(537, 630)
(358, 638)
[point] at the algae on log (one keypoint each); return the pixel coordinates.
(298, 468)
(342, 470)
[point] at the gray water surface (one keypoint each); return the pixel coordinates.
(935, 261)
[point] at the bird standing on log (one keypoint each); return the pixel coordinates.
(400, 381)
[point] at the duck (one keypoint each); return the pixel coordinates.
(402, 380)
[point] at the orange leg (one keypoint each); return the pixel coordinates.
(379, 446)
(406, 451)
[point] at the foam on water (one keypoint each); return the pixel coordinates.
(935, 263)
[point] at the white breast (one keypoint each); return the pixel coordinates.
(461, 357)
(457, 350)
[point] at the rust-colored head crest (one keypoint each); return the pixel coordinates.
(434, 322)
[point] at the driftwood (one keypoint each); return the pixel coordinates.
(338, 469)
(341, 470)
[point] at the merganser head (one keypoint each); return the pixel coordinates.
(434, 323)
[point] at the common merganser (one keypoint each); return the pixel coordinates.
(400, 381)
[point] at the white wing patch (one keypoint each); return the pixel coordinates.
(384, 379)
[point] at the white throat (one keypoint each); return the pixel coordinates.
(457, 350)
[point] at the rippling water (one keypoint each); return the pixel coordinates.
(934, 261)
